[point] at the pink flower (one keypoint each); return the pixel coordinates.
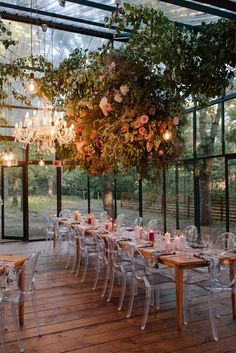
(105, 106)
(143, 119)
(101, 78)
(118, 97)
(112, 66)
(79, 145)
(151, 135)
(175, 120)
(152, 111)
(93, 135)
(124, 89)
(160, 153)
(124, 127)
(137, 123)
(142, 131)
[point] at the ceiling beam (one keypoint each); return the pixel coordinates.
(53, 25)
(223, 4)
(55, 15)
(202, 8)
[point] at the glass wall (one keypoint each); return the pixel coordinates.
(74, 188)
(42, 197)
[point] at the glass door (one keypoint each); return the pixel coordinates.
(12, 203)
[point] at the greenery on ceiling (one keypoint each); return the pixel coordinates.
(121, 102)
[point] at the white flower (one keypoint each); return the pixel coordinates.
(118, 97)
(103, 102)
(124, 89)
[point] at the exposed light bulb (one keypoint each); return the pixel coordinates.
(32, 86)
(167, 136)
(41, 163)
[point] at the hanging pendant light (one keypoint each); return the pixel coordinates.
(9, 158)
(41, 163)
(167, 136)
(31, 86)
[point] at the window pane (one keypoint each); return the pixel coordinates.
(230, 126)
(74, 190)
(152, 201)
(127, 196)
(232, 195)
(188, 137)
(42, 197)
(186, 196)
(212, 195)
(209, 131)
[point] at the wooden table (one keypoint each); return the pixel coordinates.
(181, 262)
(17, 262)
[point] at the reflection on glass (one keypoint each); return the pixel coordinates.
(188, 137)
(42, 198)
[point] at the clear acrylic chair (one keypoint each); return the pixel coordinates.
(225, 241)
(191, 233)
(87, 250)
(217, 282)
(66, 213)
(49, 231)
(149, 278)
(16, 296)
(121, 268)
(153, 225)
(138, 221)
(102, 261)
(71, 247)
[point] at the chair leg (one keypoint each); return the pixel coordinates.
(111, 285)
(212, 312)
(131, 298)
(35, 310)
(79, 263)
(2, 329)
(122, 292)
(68, 260)
(74, 263)
(157, 296)
(186, 302)
(85, 268)
(17, 327)
(105, 280)
(97, 275)
(146, 307)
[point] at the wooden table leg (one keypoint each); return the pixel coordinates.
(179, 296)
(21, 306)
(233, 295)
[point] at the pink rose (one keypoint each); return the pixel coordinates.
(152, 111)
(175, 120)
(124, 127)
(143, 119)
(112, 66)
(160, 153)
(142, 131)
(105, 106)
(137, 123)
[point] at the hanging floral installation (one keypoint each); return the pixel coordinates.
(127, 104)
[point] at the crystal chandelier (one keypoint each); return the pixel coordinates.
(44, 130)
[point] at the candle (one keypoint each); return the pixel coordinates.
(106, 225)
(177, 242)
(110, 226)
(151, 235)
(182, 241)
(168, 246)
(89, 220)
(167, 237)
(137, 232)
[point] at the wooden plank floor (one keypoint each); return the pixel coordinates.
(76, 319)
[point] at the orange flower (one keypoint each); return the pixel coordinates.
(142, 131)
(124, 127)
(93, 135)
